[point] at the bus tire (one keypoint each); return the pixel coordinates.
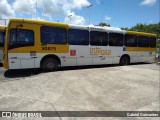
(49, 64)
(124, 60)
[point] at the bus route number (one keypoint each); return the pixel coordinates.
(49, 48)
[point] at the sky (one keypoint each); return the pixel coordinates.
(117, 13)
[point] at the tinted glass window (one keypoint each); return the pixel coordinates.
(78, 37)
(115, 39)
(1, 39)
(143, 41)
(21, 37)
(98, 38)
(131, 40)
(53, 35)
(152, 42)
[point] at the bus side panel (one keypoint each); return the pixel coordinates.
(116, 54)
(143, 54)
(78, 55)
(83, 55)
(101, 55)
(20, 60)
(148, 57)
(133, 57)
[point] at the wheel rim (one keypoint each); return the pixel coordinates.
(50, 65)
(124, 62)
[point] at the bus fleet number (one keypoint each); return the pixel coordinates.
(49, 48)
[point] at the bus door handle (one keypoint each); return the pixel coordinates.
(33, 57)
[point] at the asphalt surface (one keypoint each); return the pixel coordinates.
(91, 88)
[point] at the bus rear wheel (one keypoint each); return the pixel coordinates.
(124, 61)
(49, 64)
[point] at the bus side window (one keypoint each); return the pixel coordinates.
(98, 38)
(130, 40)
(115, 39)
(152, 41)
(78, 37)
(143, 41)
(53, 35)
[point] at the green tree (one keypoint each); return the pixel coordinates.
(125, 28)
(149, 28)
(104, 24)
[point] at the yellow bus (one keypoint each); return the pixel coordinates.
(49, 45)
(2, 37)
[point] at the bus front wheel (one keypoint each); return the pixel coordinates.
(50, 64)
(124, 61)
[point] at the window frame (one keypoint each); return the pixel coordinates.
(107, 38)
(50, 32)
(125, 40)
(150, 42)
(143, 41)
(115, 42)
(88, 42)
(16, 44)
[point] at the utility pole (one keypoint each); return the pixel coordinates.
(69, 16)
(36, 10)
(102, 10)
(89, 7)
(5, 21)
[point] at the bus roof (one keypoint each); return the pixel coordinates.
(78, 26)
(89, 27)
(141, 33)
(108, 29)
(3, 28)
(97, 28)
(40, 22)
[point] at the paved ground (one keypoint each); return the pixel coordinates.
(105, 88)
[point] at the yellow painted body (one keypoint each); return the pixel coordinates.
(63, 50)
(141, 49)
(33, 25)
(2, 29)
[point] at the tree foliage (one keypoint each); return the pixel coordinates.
(104, 24)
(139, 27)
(149, 28)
